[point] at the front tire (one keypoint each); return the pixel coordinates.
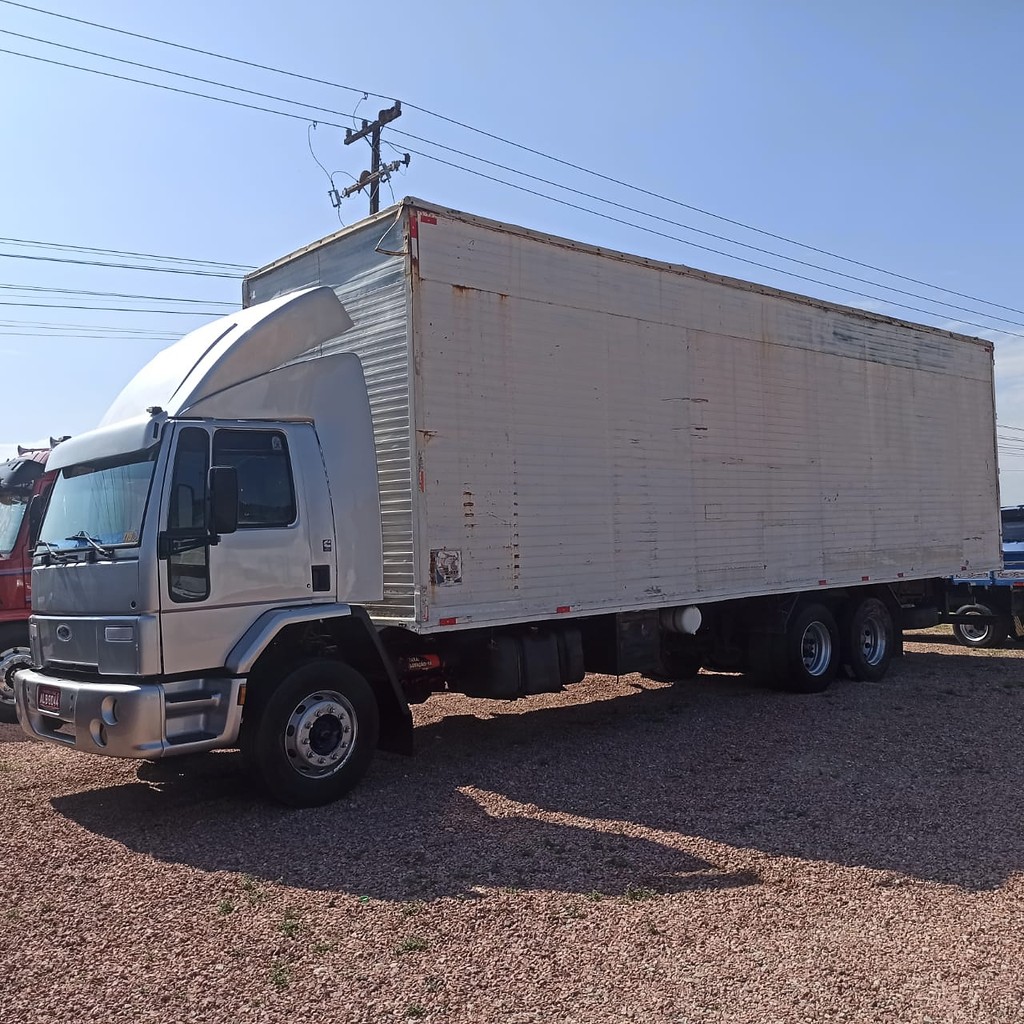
(985, 634)
(310, 739)
(14, 654)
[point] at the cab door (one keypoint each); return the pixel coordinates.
(19, 480)
(212, 593)
(14, 567)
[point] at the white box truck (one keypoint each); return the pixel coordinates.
(438, 452)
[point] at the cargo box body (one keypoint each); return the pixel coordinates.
(563, 430)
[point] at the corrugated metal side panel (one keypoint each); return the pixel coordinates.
(373, 288)
(604, 435)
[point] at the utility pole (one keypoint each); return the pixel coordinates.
(376, 174)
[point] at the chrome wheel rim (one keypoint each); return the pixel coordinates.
(816, 649)
(320, 734)
(976, 634)
(10, 661)
(873, 640)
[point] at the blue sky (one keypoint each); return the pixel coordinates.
(884, 132)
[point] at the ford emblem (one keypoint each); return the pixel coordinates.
(64, 632)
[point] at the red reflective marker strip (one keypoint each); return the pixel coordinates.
(448, 622)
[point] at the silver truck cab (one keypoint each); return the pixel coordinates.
(229, 494)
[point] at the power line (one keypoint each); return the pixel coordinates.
(521, 188)
(195, 49)
(726, 239)
(114, 309)
(115, 295)
(118, 266)
(711, 234)
(157, 85)
(534, 177)
(697, 245)
(56, 330)
(63, 325)
(10, 336)
(527, 149)
(689, 227)
(36, 244)
(706, 213)
(178, 74)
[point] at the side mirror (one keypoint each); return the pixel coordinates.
(35, 519)
(223, 499)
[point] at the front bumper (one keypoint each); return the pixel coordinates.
(146, 720)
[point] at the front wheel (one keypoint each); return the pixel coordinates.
(984, 634)
(311, 738)
(14, 654)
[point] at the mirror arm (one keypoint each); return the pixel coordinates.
(168, 544)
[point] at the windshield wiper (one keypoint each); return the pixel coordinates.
(53, 552)
(93, 543)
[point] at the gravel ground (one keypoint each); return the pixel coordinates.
(624, 851)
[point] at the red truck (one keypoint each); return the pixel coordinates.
(21, 479)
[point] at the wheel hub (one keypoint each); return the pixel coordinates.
(872, 640)
(816, 648)
(975, 633)
(320, 734)
(11, 660)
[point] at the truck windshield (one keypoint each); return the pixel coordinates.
(1013, 527)
(12, 511)
(103, 502)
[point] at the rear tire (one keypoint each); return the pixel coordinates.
(808, 656)
(14, 654)
(985, 634)
(310, 739)
(868, 639)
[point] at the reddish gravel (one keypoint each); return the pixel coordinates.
(624, 851)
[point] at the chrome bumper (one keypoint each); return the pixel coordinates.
(144, 720)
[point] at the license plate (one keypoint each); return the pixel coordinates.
(48, 698)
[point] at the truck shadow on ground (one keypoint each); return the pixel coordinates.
(10, 732)
(922, 775)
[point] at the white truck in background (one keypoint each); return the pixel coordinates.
(438, 452)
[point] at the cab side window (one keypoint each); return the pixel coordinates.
(266, 492)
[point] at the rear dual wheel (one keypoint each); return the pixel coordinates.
(868, 637)
(809, 651)
(808, 656)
